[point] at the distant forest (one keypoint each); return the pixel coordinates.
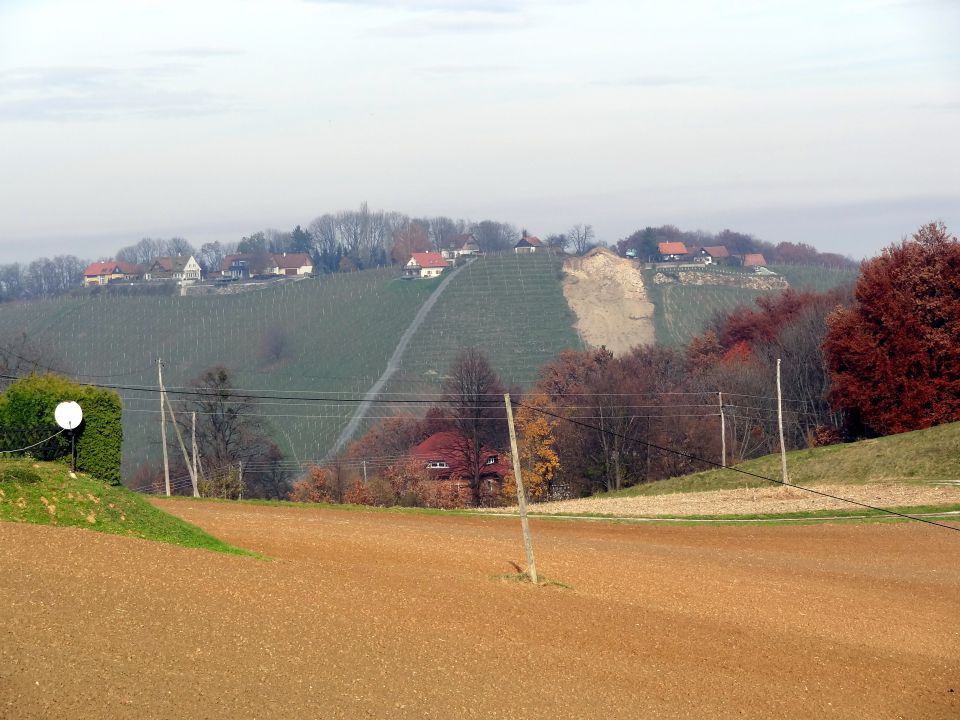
(352, 240)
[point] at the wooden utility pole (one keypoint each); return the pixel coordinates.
(723, 433)
(193, 451)
(183, 448)
(521, 494)
(163, 429)
(783, 449)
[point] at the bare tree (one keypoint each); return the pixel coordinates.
(582, 237)
(493, 236)
(474, 395)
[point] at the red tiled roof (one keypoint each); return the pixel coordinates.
(753, 260)
(449, 447)
(111, 267)
(292, 260)
(717, 251)
(429, 260)
(672, 248)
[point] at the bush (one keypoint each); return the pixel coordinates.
(19, 475)
(31, 402)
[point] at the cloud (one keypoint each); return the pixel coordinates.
(450, 6)
(655, 81)
(467, 69)
(460, 23)
(59, 94)
(197, 52)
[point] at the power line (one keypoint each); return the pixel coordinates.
(736, 469)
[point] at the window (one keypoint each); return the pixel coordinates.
(492, 460)
(437, 465)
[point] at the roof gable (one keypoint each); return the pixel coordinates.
(717, 251)
(753, 260)
(290, 261)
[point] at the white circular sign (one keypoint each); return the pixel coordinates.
(68, 415)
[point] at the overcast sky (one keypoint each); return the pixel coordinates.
(833, 122)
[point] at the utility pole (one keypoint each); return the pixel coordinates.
(521, 494)
(240, 477)
(183, 448)
(193, 451)
(723, 433)
(364, 471)
(783, 449)
(163, 429)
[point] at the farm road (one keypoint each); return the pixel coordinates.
(393, 363)
(397, 616)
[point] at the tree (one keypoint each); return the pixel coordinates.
(895, 354)
(493, 236)
(581, 236)
(408, 239)
(473, 394)
(558, 241)
(539, 462)
(230, 433)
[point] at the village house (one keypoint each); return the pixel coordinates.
(101, 273)
(424, 265)
(290, 264)
(528, 244)
(754, 260)
(180, 268)
(712, 255)
(465, 244)
(672, 251)
(444, 456)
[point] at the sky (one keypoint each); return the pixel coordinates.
(831, 122)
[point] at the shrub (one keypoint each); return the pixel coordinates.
(31, 402)
(19, 475)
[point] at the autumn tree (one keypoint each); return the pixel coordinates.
(536, 442)
(895, 354)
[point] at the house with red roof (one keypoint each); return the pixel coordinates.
(101, 273)
(754, 260)
(712, 255)
(424, 265)
(445, 457)
(672, 251)
(528, 244)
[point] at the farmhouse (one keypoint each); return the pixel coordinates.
(290, 264)
(753, 260)
(528, 244)
(174, 268)
(712, 255)
(444, 456)
(465, 244)
(672, 251)
(101, 273)
(424, 265)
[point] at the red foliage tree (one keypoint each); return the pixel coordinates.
(895, 355)
(312, 487)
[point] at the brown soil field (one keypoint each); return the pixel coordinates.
(387, 615)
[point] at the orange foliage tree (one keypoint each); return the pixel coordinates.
(312, 487)
(539, 461)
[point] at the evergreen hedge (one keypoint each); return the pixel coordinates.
(31, 402)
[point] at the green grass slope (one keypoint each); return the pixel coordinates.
(683, 311)
(46, 494)
(511, 306)
(922, 456)
(337, 333)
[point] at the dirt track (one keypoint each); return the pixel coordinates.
(381, 615)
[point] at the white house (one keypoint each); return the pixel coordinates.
(290, 264)
(424, 265)
(174, 268)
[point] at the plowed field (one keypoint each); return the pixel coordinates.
(401, 616)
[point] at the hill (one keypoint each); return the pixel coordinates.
(920, 468)
(47, 493)
(328, 336)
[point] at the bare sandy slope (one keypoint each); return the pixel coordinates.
(398, 616)
(747, 501)
(607, 294)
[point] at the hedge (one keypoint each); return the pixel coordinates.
(31, 402)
